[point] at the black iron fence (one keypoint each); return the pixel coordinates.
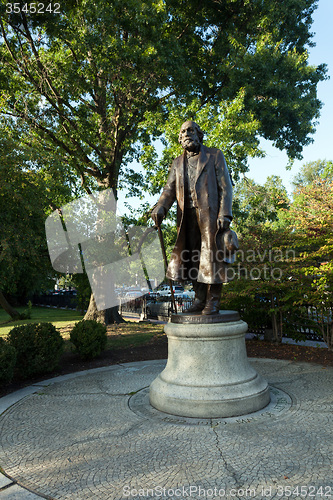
(160, 308)
(305, 322)
(300, 323)
(66, 299)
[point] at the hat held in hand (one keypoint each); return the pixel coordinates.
(230, 246)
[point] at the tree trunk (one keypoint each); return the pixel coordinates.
(326, 327)
(8, 308)
(111, 315)
(107, 316)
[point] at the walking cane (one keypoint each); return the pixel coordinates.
(166, 266)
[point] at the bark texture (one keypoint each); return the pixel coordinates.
(107, 316)
(7, 307)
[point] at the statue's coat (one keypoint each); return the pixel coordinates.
(213, 195)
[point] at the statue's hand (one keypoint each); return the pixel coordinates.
(224, 223)
(158, 215)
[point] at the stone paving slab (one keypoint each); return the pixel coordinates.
(15, 492)
(4, 481)
(90, 436)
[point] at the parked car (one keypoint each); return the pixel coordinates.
(133, 295)
(159, 308)
(150, 295)
(162, 306)
(165, 290)
(162, 290)
(188, 294)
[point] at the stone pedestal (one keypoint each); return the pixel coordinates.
(208, 374)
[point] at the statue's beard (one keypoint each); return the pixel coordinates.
(191, 144)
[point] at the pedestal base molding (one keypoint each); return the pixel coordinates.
(208, 374)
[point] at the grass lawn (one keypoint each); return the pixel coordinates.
(59, 317)
(132, 334)
(129, 334)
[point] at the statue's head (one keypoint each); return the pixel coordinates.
(190, 136)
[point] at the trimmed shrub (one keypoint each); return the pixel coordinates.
(89, 338)
(7, 361)
(39, 347)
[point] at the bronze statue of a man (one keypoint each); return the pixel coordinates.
(200, 182)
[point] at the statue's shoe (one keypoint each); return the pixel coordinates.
(211, 307)
(197, 306)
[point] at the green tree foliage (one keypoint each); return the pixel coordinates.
(99, 77)
(313, 171)
(256, 204)
(227, 126)
(99, 82)
(261, 276)
(27, 194)
(311, 220)
(283, 274)
(23, 252)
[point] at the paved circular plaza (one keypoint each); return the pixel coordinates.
(93, 435)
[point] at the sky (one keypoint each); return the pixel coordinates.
(275, 161)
